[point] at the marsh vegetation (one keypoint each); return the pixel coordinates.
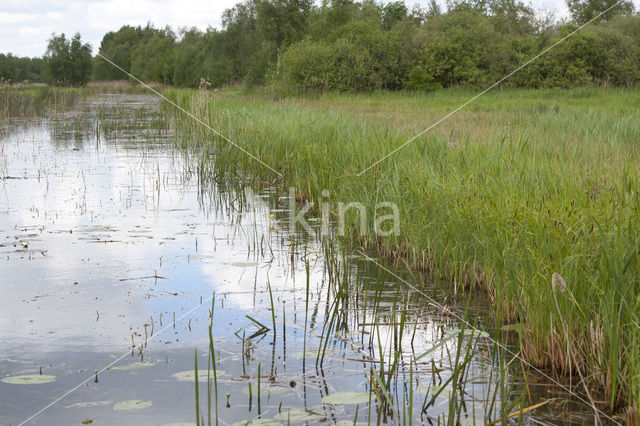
(145, 240)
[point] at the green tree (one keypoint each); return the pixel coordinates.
(392, 13)
(582, 11)
(68, 61)
(151, 59)
(117, 47)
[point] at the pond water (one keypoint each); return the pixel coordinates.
(117, 259)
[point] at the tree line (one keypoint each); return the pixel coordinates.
(344, 45)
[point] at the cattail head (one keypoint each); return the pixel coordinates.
(557, 283)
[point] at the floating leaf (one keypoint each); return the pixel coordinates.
(89, 404)
(257, 422)
(299, 416)
(189, 375)
(133, 366)
(29, 379)
(344, 398)
(132, 404)
(265, 389)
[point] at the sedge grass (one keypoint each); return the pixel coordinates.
(521, 185)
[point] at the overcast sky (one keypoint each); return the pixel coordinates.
(25, 25)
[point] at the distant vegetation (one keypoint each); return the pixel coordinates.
(14, 69)
(349, 46)
(68, 61)
(353, 46)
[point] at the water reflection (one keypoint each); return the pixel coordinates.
(110, 240)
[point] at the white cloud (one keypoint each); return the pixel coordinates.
(25, 26)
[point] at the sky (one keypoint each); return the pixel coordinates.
(25, 25)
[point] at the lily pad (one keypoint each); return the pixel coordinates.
(132, 404)
(265, 389)
(133, 366)
(89, 404)
(299, 416)
(189, 375)
(257, 422)
(29, 379)
(345, 398)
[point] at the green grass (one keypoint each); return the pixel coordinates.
(519, 185)
(38, 100)
(32, 101)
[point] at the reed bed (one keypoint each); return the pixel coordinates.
(34, 101)
(38, 100)
(519, 187)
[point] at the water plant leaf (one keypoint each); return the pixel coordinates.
(29, 379)
(433, 390)
(133, 366)
(189, 375)
(266, 389)
(132, 404)
(299, 416)
(345, 398)
(257, 422)
(89, 404)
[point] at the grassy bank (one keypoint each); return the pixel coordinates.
(519, 186)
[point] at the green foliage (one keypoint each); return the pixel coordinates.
(421, 79)
(68, 62)
(117, 47)
(307, 65)
(341, 66)
(14, 69)
(465, 49)
(151, 59)
(351, 46)
(524, 184)
(584, 11)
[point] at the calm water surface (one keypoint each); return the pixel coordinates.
(113, 254)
